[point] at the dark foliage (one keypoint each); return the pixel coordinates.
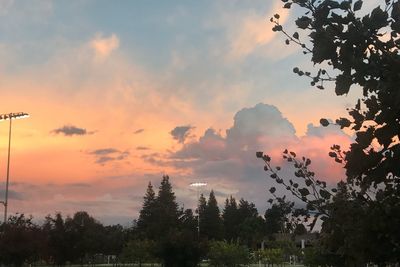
(20, 241)
(360, 215)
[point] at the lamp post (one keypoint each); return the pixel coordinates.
(3, 117)
(198, 185)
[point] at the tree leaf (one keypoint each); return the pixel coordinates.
(332, 154)
(304, 192)
(343, 83)
(324, 122)
(343, 122)
(358, 5)
(287, 5)
(303, 22)
(325, 194)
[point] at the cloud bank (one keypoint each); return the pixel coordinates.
(227, 160)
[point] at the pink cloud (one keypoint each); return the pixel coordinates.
(104, 46)
(230, 159)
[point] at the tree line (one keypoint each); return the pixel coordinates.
(164, 233)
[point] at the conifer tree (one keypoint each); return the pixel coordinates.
(213, 226)
(201, 213)
(246, 210)
(230, 219)
(167, 212)
(147, 213)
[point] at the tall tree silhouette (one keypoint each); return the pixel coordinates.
(86, 234)
(246, 210)
(59, 239)
(146, 223)
(166, 211)
(230, 219)
(213, 227)
(202, 207)
(250, 226)
(276, 218)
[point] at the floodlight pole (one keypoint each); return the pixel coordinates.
(8, 173)
(198, 185)
(10, 117)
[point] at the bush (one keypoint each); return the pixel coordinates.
(223, 254)
(271, 256)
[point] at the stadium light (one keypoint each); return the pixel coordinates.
(3, 117)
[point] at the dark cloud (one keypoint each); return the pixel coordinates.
(104, 151)
(70, 130)
(142, 148)
(11, 194)
(138, 131)
(105, 155)
(180, 133)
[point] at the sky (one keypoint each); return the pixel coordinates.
(121, 93)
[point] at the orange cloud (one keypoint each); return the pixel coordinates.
(254, 31)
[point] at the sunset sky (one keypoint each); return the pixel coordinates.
(122, 92)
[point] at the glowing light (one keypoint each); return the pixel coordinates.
(16, 115)
(198, 184)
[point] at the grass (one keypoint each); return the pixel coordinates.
(158, 265)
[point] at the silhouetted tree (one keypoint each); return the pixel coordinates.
(251, 227)
(359, 51)
(300, 229)
(277, 218)
(230, 219)
(179, 248)
(86, 236)
(139, 251)
(242, 223)
(213, 227)
(166, 209)
(201, 215)
(188, 221)
(21, 241)
(252, 231)
(171, 231)
(114, 239)
(59, 239)
(147, 223)
(246, 210)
